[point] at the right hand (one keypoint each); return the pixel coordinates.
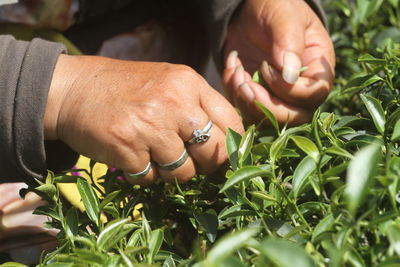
(125, 114)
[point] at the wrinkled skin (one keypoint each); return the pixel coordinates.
(270, 36)
(126, 113)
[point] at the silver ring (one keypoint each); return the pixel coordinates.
(142, 173)
(200, 136)
(176, 164)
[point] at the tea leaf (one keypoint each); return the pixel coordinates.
(271, 117)
(90, 200)
(396, 131)
(156, 238)
(375, 109)
(228, 244)
(360, 175)
(209, 221)
(307, 146)
(110, 231)
(232, 144)
(243, 174)
(284, 253)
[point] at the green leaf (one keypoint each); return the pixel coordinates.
(270, 116)
(277, 147)
(284, 253)
(367, 58)
(307, 146)
(110, 231)
(303, 171)
(156, 239)
(393, 233)
(323, 226)
(71, 223)
(209, 221)
(244, 174)
(359, 83)
(228, 244)
(245, 146)
(360, 175)
(376, 111)
(13, 264)
(47, 191)
(396, 131)
(232, 144)
(90, 200)
(169, 262)
(109, 197)
(339, 151)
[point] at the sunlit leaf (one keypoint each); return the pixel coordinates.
(375, 109)
(90, 200)
(307, 146)
(284, 253)
(156, 239)
(243, 174)
(360, 175)
(228, 244)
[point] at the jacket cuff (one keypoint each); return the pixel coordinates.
(27, 69)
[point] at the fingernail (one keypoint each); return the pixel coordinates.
(238, 77)
(265, 70)
(230, 62)
(246, 92)
(291, 67)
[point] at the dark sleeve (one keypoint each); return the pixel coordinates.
(26, 69)
(216, 15)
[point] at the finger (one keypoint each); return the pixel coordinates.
(232, 62)
(168, 149)
(284, 112)
(307, 91)
(219, 110)
(137, 169)
(210, 154)
(288, 38)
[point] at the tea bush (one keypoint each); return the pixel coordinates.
(325, 193)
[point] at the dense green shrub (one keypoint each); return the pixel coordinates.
(325, 193)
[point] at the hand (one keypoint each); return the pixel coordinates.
(278, 37)
(126, 114)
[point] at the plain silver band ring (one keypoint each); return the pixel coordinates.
(176, 164)
(142, 173)
(200, 136)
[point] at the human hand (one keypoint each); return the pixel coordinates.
(278, 37)
(126, 114)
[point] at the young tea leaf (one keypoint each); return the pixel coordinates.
(307, 146)
(376, 111)
(244, 174)
(232, 144)
(90, 200)
(271, 117)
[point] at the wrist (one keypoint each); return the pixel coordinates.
(61, 82)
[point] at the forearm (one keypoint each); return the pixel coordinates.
(25, 76)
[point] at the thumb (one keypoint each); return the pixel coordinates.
(287, 30)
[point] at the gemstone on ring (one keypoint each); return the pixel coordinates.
(175, 164)
(201, 136)
(140, 174)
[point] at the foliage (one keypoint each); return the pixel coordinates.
(325, 193)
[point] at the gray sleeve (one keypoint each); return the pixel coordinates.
(25, 76)
(216, 15)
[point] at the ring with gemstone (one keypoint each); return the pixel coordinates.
(201, 136)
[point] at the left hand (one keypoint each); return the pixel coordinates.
(278, 37)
